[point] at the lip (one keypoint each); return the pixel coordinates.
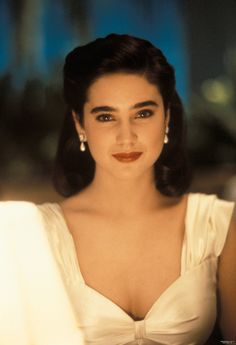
(126, 157)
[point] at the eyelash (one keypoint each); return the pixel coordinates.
(107, 117)
(146, 113)
(104, 118)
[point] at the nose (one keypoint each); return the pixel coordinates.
(126, 134)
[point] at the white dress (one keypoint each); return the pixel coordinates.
(45, 300)
(184, 314)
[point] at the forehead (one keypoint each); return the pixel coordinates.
(122, 86)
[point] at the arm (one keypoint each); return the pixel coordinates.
(227, 285)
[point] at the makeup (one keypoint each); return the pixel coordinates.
(127, 157)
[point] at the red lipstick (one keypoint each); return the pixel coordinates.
(127, 157)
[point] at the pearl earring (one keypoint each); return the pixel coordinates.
(166, 139)
(82, 144)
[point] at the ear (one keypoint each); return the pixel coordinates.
(167, 117)
(80, 130)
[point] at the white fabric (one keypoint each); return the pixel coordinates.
(45, 301)
(34, 305)
(184, 314)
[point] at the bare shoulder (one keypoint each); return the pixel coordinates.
(227, 284)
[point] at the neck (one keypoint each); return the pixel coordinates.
(125, 196)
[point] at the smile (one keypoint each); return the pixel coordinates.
(127, 157)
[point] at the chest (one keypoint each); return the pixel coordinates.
(130, 262)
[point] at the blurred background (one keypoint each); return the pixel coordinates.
(198, 38)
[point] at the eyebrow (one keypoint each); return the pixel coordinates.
(135, 106)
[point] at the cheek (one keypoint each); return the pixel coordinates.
(155, 144)
(156, 136)
(98, 143)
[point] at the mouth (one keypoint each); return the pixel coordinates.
(127, 157)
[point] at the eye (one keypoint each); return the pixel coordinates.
(104, 118)
(144, 113)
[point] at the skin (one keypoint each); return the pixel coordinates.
(126, 128)
(227, 285)
(123, 219)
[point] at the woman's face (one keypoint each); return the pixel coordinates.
(124, 124)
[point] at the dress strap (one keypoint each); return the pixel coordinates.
(207, 226)
(61, 242)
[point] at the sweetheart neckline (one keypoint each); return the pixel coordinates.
(182, 270)
(157, 301)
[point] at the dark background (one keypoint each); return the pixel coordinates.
(197, 36)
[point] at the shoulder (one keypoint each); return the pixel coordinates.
(230, 243)
(210, 200)
(209, 218)
(220, 220)
(229, 251)
(212, 207)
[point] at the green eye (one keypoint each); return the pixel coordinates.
(104, 118)
(145, 113)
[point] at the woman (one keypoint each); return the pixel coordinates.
(139, 260)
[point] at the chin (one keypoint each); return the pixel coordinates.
(128, 173)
